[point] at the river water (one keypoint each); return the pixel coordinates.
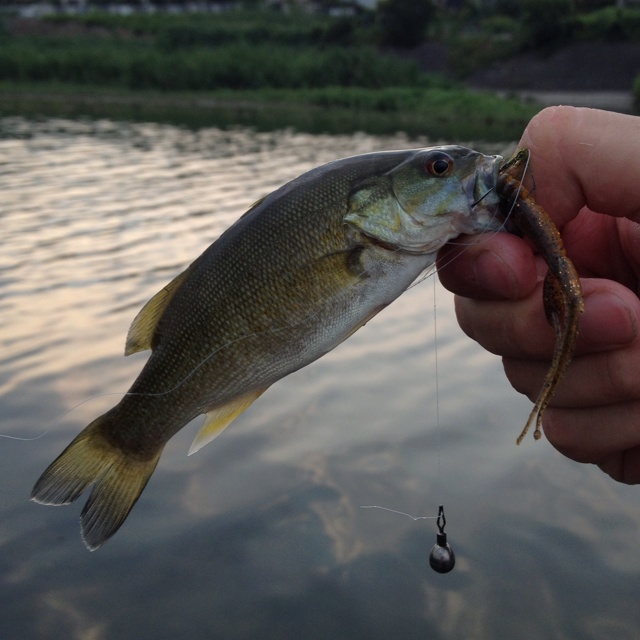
(261, 535)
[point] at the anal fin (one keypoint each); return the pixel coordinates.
(218, 419)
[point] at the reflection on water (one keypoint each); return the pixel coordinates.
(260, 535)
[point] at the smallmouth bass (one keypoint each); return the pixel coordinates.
(296, 275)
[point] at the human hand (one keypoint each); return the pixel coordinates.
(586, 168)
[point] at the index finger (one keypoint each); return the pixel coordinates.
(584, 157)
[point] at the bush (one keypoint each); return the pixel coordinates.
(134, 65)
(500, 26)
(547, 22)
(510, 8)
(172, 32)
(636, 94)
(610, 24)
(471, 53)
(403, 22)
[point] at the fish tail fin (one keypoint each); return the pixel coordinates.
(118, 479)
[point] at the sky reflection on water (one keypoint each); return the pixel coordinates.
(261, 535)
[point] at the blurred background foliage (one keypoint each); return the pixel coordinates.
(250, 48)
(340, 51)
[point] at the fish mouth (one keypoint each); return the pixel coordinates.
(480, 189)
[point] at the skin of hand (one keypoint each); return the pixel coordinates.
(585, 165)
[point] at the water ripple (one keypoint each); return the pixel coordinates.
(96, 217)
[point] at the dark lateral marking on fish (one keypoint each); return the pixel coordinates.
(354, 262)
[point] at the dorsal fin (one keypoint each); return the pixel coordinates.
(218, 419)
(255, 205)
(140, 335)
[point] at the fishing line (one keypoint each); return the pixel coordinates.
(442, 557)
(44, 433)
(438, 425)
(430, 271)
(271, 330)
(61, 417)
(466, 246)
(402, 513)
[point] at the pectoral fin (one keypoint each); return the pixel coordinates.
(218, 419)
(144, 325)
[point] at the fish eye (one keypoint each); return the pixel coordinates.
(440, 166)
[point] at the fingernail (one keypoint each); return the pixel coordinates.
(495, 275)
(608, 320)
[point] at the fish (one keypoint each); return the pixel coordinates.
(300, 272)
(562, 293)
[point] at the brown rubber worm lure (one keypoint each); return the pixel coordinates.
(562, 293)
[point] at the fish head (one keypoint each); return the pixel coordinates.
(431, 196)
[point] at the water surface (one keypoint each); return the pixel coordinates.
(261, 535)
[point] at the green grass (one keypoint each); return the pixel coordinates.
(136, 65)
(611, 24)
(247, 27)
(259, 69)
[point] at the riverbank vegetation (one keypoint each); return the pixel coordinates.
(255, 68)
(442, 114)
(509, 27)
(270, 68)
